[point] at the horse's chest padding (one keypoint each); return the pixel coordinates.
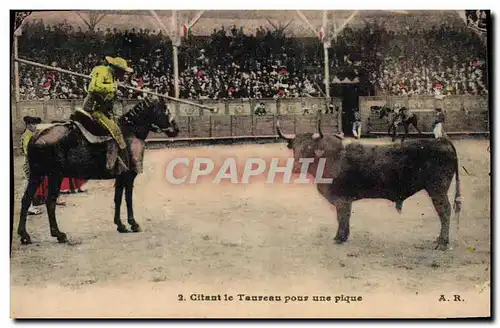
(136, 149)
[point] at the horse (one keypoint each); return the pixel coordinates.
(77, 148)
(395, 119)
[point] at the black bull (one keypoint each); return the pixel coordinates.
(394, 172)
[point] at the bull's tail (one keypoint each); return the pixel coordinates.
(457, 204)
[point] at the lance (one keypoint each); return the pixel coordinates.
(65, 71)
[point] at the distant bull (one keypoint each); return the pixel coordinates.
(394, 172)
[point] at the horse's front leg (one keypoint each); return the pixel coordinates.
(392, 132)
(55, 180)
(129, 188)
(406, 132)
(415, 124)
(119, 185)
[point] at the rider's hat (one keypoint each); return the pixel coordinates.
(119, 63)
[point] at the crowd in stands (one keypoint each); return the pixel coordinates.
(477, 19)
(234, 64)
(438, 61)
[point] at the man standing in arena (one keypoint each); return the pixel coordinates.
(99, 103)
(30, 126)
(438, 124)
(356, 125)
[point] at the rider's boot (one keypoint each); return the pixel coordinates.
(123, 160)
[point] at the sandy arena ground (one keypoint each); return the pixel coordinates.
(255, 239)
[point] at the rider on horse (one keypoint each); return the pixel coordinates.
(403, 111)
(401, 116)
(99, 103)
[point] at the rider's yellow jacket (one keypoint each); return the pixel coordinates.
(103, 82)
(25, 139)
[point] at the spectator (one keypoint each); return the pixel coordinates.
(231, 64)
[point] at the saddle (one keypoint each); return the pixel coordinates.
(92, 130)
(94, 133)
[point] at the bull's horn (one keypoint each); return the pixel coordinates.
(280, 134)
(319, 129)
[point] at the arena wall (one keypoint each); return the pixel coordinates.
(236, 118)
(464, 114)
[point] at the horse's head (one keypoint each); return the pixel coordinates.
(154, 114)
(160, 117)
(383, 111)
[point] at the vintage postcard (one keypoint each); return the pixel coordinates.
(251, 164)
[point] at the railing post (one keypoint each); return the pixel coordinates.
(253, 124)
(295, 124)
(189, 126)
(16, 68)
(210, 128)
(274, 125)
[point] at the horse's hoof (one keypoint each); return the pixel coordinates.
(135, 228)
(441, 241)
(62, 238)
(122, 229)
(26, 240)
(441, 244)
(340, 240)
(441, 247)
